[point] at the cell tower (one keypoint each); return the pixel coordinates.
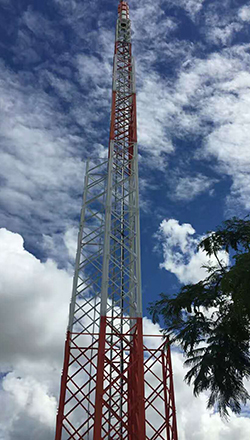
(112, 385)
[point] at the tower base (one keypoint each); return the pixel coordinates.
(117, 388)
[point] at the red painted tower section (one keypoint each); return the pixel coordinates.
(116, 382)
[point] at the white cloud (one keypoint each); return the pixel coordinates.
(222, 23)
(217, 88)
(34, 307)
(206, 94)
(35, 303)
(29, 391)
(151, 23)
(42, 172)
(28, 410)
(153, 107)
(229, 142)
(179, 247)
(96, 73)
(32, 397)
(70, 239)
(38, 24)
(193, 7)
(41, 167)
(187, 188)
(44, 145)
(223, 34)
(46, 134)
(244, 13)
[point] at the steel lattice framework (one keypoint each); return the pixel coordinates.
(112, 385)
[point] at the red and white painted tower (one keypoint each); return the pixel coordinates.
(112, 385)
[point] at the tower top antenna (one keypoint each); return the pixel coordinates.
(123, 10)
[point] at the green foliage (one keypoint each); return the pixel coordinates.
(211, 320)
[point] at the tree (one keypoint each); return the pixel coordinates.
(211, 320)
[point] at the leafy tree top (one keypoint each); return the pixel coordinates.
(210, 320)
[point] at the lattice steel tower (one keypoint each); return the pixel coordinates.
(112, 385)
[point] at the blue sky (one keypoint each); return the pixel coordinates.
(193, 94)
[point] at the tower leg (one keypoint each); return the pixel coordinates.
(99, 381)
(136, 401)
(59, 419)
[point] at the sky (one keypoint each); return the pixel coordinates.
(193, 96)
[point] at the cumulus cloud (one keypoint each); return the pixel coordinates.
(179, 247)
(36, 303)
(32, 397)
(28, 409)
(244, 13)
(54, 106)
(187, 188)
(29, 387)
(34, 307)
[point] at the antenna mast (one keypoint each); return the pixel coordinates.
(112, 386)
